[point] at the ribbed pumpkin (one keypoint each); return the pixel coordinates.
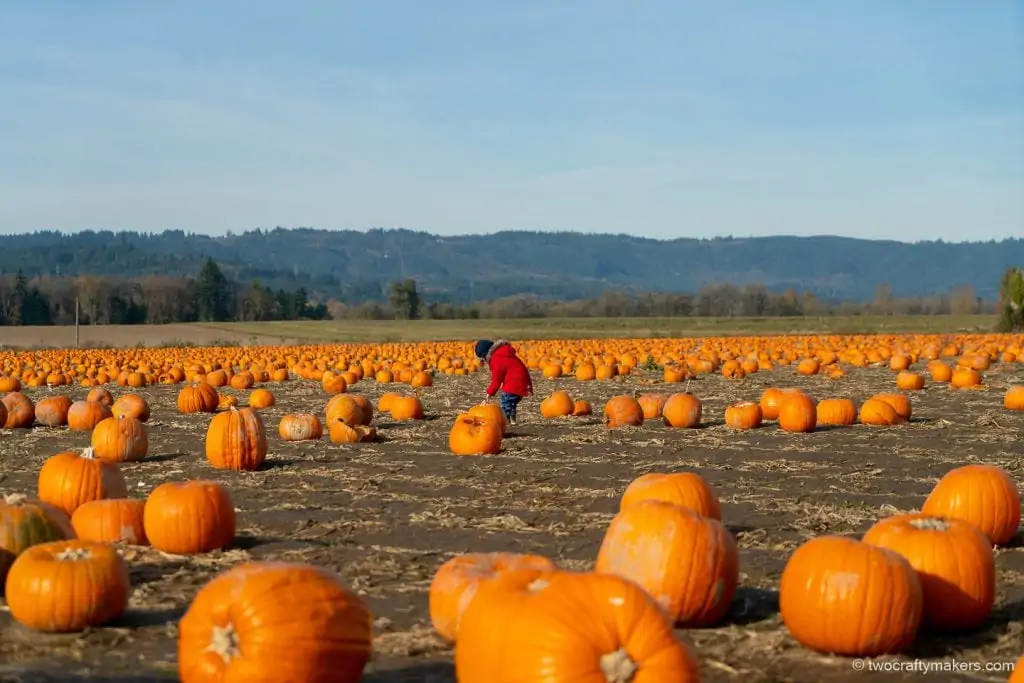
(983, 495)
(682, 411)
(112, 520)
(686, 489)
(186, 518)
(623, 411)
(120, 439)
(474, 435)
(69, 479)
(198, 398)
(237, 440)
(25, 522)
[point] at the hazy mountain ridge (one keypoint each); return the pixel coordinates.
(357, 265)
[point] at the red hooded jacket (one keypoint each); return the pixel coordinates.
(508, 372)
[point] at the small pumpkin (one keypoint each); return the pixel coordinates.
(836, 412)
(1014, 398)
(339, 431)
(233, 631)
(300, 427)
(558, 404)
(623, 411)
(25, 522)
(198, 398)
(909, 381)
(120, 439)
(474, 435)
(682, 411)
(879, 413)
(53, 411)
(83, 416)
(407, 408)
(983, 495)
(191, 517)
(456, 582)
(67, 480)
(20, 411)
(260, 399)
(68, 586)
(236, 440)
(686, 489)
(112, 520)
(743, 415)
(131, 405)
(841, 596)
(797, 412)
(581, 408)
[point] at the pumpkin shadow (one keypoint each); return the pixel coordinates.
(1016, 542)
(20, 673)
(752, 605)
(947, 645)
(248, 542)
(163, 457)
(274, 463)
(427, 672)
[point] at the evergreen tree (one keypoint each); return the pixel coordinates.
(213, 294)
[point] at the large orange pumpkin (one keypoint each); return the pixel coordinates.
(682, 410)
(112, 520)
(25, 522)
(797, 412)
(623, 411)
(687, 489)
(237, 440)
(120, 439)
(69, 479)
(186, 518)
(474, 435)
(983, 495)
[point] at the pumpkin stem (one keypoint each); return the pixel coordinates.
(930, 524)
(87, 453)
(15, 498)
(538, 585)
(224, 643)
(73, 554)
(618, 666)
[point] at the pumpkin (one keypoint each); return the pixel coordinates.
(242, 381)
(490, 411)
(686, 489)
(226, 402)
(191, 517)
(954, 562)
(270, 622)
(797, 412)
(236, 440)
(333, 383)
(682, 410)
(198, 398)
(909, 381)
(474, 435)
(53, 411)
(567, 626)
(743, 415)
(131, 405)
(340, 432)
(67, 480)
(68, 586)
(1014, 399)
(841, 596)
(558, 404)
(899, 402)
(836, 411)
(879, 413)
(83, 416)
(687, 563)
(771, 401)
(983, 495)
(20, 411)
(652, 404)
(25, 522)
(623, 411)
(261, 399)
(300, 427)
(965, 378)
(456, 582)
(407, 408)
(120, 439)
(422, 379)
(581, 408)
(348, 409)
(940, 372)
(112, 520)
(386, 400)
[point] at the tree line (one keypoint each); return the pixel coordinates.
(213, 297)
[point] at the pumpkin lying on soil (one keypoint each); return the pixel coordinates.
(983, 495)
(25, 522)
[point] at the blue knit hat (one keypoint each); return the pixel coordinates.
(482, 347)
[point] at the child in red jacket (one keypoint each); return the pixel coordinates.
(508, 373)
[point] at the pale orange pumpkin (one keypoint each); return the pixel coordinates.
(131, 405)
(83, 416)
(743, 415)
(53, 411)
(300, 427)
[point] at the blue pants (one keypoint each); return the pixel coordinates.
(508, 403)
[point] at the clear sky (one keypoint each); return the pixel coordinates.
(898, 119)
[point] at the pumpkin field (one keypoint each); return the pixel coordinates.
(376, 473)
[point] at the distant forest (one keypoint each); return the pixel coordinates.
(311, 274)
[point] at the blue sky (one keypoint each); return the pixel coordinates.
(897, 119)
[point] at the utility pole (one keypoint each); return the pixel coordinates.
(77, 327)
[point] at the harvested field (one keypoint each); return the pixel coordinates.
(386, 515)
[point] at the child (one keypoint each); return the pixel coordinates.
(507, 373)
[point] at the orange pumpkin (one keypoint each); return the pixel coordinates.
(339, 431)
(19, 410)
(261, 399)
(270, 622)
(191, 517)
(841, 596)
(797, 413)
(652, 404)
(474, 435)
(569, 626)
(954, 562)
(623, 411)
(581, 408)
(348, 409)
(687, 563)
(879, 413)
(112, 520)
(743, 415)
(983, 495)
(456, 582)
(686, 489)
(406, 408)
(236, 440)
(120, 439)
(909, 381)
(490, 411)
(25, 522)
(198, 398)
(68, 586)
(836, 411)
(1014, 399)
(558, 404)
(83, 416)
(53, 411)
(67, 480)
(131, 405)
(682, 411)
(899, 402)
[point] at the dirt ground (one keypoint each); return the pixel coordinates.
(387, 515)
